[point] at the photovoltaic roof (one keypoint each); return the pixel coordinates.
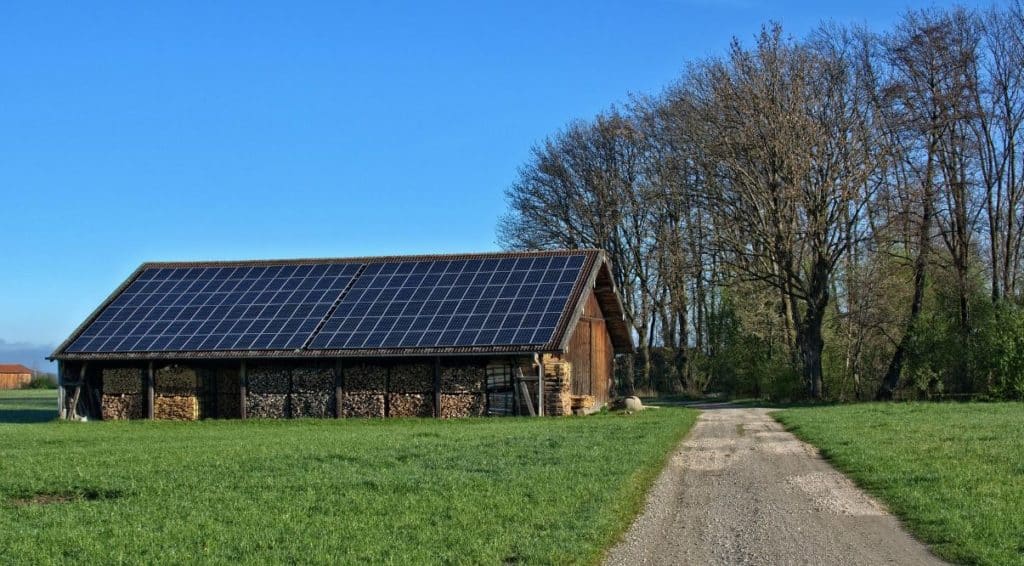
(515, 301)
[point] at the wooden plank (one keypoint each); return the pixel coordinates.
(150, 396)
(540, 383)
(243, 383)
(437, 386)
(339, 391)
(524, 392)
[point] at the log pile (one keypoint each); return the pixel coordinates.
(583, 404)
(123, 406)
(410, 404)
(411, 378)
(175, 387)
(123, 380)
(454, 406)
(314, 404)
(267, 392)
(266, 405)
(366, 378)
(363, 404)
(463, 379)
(228, 388)
(312, 392)
(557, 388)
(175, 380)
(176, 407)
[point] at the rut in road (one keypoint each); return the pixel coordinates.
(742, 490)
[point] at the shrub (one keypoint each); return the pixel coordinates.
(42, 381)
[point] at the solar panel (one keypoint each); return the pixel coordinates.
(217, 308)
(453, 303)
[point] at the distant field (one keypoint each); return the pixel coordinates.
(954, 473)
(556, 490)
(27, 405)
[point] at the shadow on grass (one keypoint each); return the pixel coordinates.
(26, 407)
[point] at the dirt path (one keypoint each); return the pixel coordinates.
(741, 490)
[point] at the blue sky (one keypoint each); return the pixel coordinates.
(136, 131)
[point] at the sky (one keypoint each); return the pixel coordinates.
(143, 131)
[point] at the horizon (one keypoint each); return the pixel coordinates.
(141, 134)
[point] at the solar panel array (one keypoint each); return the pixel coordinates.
(393, 304)
(475, 302)
(217, 308)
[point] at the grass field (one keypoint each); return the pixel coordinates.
(556, 490)
(954, 473)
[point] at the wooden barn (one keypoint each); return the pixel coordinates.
(13, 376)
(523, 333)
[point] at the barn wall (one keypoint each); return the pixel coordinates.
(14, 380)
(591, 354)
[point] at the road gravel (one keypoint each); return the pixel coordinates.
(742, 490)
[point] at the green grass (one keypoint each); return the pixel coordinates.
(28, 405)
(954, 473)
(557, 490)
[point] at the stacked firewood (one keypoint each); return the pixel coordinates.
(123, 380)
(557, 388)
(176, 407)
(312, 392)
(410, 404)
(462, 405)
(411, 378)
(356, 404)
(463, 379)
(267, 392)
(175, 387)
(364, 390)
(582, 404)
(125, 406)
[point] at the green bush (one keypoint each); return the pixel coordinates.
(42, 381)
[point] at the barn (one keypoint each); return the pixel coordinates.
(13, 376)
(521, 333)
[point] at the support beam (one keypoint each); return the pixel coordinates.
(539, 359)
(243, 384)
(150, 393)
(61, 393)
(437, 386)
(339, 390)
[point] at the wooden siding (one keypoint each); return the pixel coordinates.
(591, 353)
(14, 380)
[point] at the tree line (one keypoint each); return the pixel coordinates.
(835, 216)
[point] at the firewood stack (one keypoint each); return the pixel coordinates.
(267, 392)
(411, 391)
(557, 387)
(120, 407)
(364, 391)
(582, 404)
(462, 390)
(312, 392)
(461, 405)
(175, 387)
(122, 394)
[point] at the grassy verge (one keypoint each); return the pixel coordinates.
(323, 491)
(28, 405)
(954, 473)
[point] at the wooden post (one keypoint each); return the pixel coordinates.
(339, 392)
(61, 394)
(437, 386)
(243, 382)
(150, 394)
(540, 384)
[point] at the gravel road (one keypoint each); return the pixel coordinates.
(741, 490)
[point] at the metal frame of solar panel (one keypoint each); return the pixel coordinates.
(217, 308)
(453, 303)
